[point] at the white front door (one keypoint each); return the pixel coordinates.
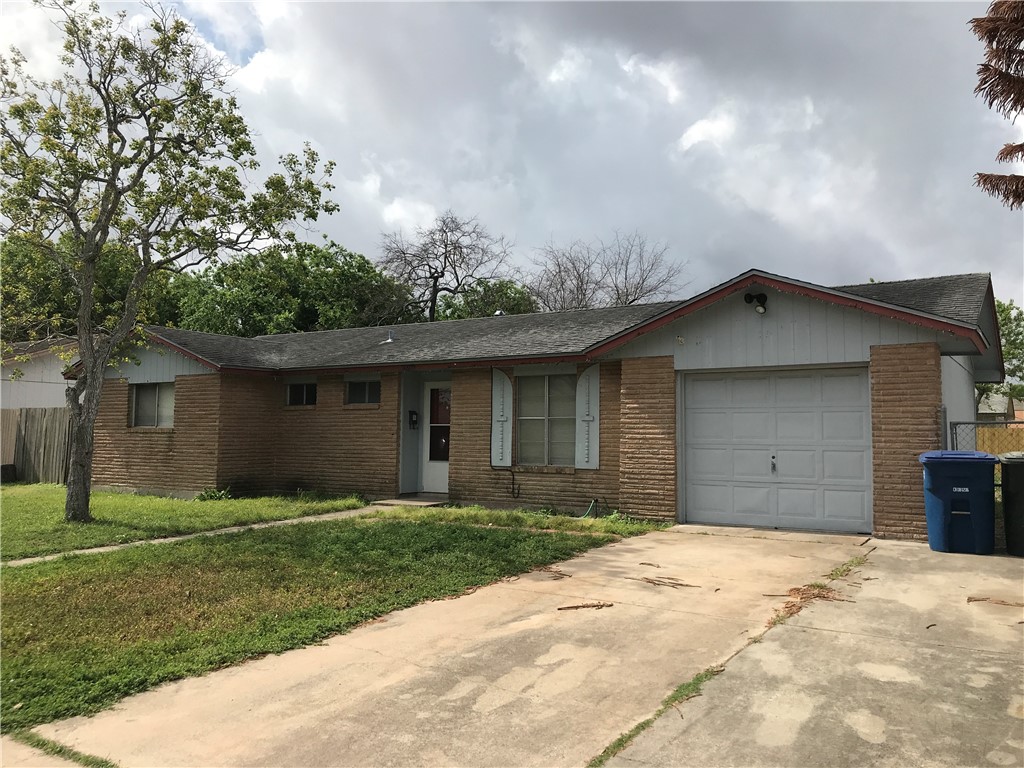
(781, 449)
(436, 428)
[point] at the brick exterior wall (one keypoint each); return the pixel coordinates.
(179, 461)
(237, 431)
(472, 479)
(647, 443)
(906, 414)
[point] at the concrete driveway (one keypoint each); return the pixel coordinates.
(498, 677)
(911, 673)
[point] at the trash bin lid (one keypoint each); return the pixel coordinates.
(1013, 457)
(957, 456)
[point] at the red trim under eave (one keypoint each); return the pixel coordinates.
(786, 287)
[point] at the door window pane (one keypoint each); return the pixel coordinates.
(440, 406)
(440, 435)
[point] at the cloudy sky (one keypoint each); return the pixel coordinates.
(831, 142)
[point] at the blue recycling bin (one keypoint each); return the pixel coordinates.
(960, 501)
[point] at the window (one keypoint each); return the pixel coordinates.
(363, 392)
(153, 405)
(302, 394)
(546, 420)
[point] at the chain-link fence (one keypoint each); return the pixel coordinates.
(994, 437)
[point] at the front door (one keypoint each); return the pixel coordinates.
(437, 410)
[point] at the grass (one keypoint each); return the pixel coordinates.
(85, 631)
(617, 525)
(32, 517)
(59, 750)
(685, 691)
(844, 570)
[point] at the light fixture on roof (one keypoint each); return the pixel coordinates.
(760, 299)
(499, 313)
(389, 340)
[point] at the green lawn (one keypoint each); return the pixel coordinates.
(32, 517)
(82, 632)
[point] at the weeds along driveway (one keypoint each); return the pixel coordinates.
(497, 677)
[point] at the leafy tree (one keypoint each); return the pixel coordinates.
(38, 300)
(1001, 84)
(487, 298)
(447, 258)
(626, 269)
(278, 290)
(137, 143)
(1011, 335)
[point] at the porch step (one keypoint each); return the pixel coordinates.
(414, 500)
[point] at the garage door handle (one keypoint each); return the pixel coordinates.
(774, 468)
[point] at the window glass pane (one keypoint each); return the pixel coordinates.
(531, 395)
(296, 393)
(310, 394)
(145, 405)
(357, 392)
(562, 396)
(531, 441)
(440, 406)
(439, 439)
(562, 441)
(165, 405)
(373, 391)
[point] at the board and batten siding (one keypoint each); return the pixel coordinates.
(794, 331)
(156, 364)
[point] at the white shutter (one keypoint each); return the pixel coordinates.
(501, 419)
(588, 418)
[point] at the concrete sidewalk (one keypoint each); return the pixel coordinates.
(497, 677)
(909, 674)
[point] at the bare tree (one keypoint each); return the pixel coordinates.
(568, 277)
(448, 257)
(627, 269)
(1001, 84)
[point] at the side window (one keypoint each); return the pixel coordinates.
(152, 405)
(546, 420)
(362, 392)
(302, 394)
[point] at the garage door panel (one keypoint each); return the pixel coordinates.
(752, 426)
(798, 390)
(751, 464)
(797, 465)
(844, 425)
(844, 465)
(798, 502)
(752, 500)
(797, 426)
(710, 462)
(751, 391)
(850, 505)
(815, 423)
(843, 389)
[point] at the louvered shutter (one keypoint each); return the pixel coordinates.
(588, 418)
(501, 419)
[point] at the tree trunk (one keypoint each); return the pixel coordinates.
(83, 422)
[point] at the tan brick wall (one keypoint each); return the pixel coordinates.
(647, 445)
(237, 431)
(472, 479)
(906, 413)
(182, 459)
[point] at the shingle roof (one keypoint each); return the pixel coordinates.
(957, 297)
(548, 334)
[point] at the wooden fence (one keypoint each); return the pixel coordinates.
(37, 441)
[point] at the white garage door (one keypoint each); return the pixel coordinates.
(779, 449)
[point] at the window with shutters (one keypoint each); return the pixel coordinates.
(152, 405)
(546, 420)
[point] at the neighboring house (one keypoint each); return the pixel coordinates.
(40, 383)
(995, 407)
(765, 401)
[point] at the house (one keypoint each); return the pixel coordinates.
(765, 401)
(995, 407)
(40, 381)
